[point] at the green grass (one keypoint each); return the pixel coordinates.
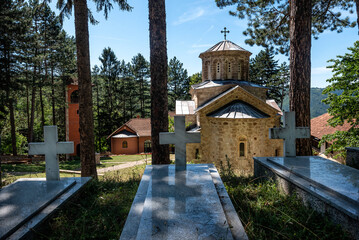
(10, 178)
(73, 164)
(266, 213)
(125, 158)
(99, 212)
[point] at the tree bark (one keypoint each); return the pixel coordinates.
(12, 124)
(87, 150)
(158, 59)
(53, 96)
(32, 113)
(300, 67)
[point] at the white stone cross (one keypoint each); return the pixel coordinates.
(180, 138)
(50, 148)
(289, 133)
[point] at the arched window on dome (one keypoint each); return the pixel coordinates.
(218, 71)
(124, 144)
(75, 96)
(229, 70)
(239, 71)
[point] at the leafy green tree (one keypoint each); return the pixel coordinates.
(344, 105)
(268, 21)
(178, 83)
(195, 78)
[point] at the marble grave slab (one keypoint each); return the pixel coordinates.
(21, 200)
(335, 177)
(172, 204)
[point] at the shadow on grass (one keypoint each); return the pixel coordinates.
(268, 214)
(99, 212)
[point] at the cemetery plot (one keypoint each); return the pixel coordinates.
(23, 199)
(327, 186)
(172, 204)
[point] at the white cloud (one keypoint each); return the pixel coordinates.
(321, 70)
(190, 15)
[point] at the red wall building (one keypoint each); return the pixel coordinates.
(72, 116)
(132, 137)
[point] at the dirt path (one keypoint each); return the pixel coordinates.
(101, 171)
(121, 166)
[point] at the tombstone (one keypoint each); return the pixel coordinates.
(188, 204)
(28, 202)
(328, 187)
(289, 133)
(180, 138)
(51, 148)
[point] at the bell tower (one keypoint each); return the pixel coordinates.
(225, 61)
(72, 116)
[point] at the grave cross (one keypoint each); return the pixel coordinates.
(289, 133)
(50, 148)
(225, 33)
(180, 138)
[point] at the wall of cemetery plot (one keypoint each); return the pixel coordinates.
(239, 140)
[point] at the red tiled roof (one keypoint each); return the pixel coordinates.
(320, 127)
(142, 126)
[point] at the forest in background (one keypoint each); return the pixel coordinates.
(38, 61)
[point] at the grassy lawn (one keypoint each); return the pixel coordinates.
(9, 178)
(73, 164)
(101, 210)
(125, 158)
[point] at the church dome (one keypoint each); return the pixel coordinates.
(225, 46)
(225, 61)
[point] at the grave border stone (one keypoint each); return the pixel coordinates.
(321, 199)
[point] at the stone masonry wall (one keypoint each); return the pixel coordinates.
(221, 137)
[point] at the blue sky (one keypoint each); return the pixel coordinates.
(193, 26)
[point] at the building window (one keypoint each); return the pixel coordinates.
(75, 96)
(242, 149)
(218, 67)
(197, 154)
(229, 67)
(239, 71)
(147, 146)
(124, 144)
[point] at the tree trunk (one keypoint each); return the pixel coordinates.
(300, 45)
(42, 109)
(32, 113)
(158, 61)
(53, 96)
(12, 124)
(87, 150)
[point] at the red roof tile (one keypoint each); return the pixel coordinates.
(142, 126)
(320, 126)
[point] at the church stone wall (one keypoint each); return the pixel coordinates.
(221, 137)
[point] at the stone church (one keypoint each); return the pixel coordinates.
(232, 114)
